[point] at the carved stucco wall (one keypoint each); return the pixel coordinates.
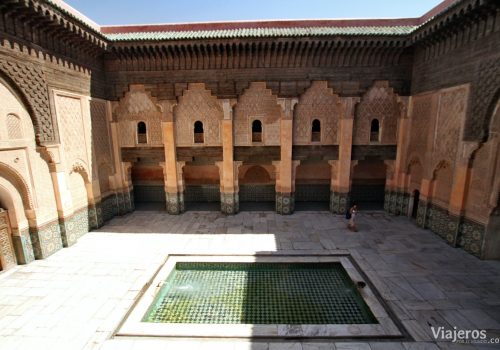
(73, 118)
(416, 172)
(257, 102)
(138, 105)
(484, 186)
(317, 102)
(198, 104)
(380, 102)
(18, 153)
(436, 123)
(101, 141)
(443, 182)
(420, 126)
(448, 126)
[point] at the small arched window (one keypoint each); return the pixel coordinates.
(316, 131)
(198, 132)
(257, 131)
(141, 133)
(375, 131)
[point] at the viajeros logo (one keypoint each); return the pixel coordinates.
(456, 335)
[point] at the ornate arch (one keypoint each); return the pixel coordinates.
(414, 160)
(257, 102)
(198, 104)
(17, 180)
(317, 102)
(80, 168)
(382, 103)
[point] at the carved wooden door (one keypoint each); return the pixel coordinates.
(7, 256)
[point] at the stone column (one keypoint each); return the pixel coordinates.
(64, 204)
(229, 200)
(174, 186)
(285, 201)
(124, 191)
(395, 186)
(341, 183)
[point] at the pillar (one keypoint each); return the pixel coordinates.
(174, 184)
(285, 200)
(341, 169)
(229, 199)
(124, 202)
(395, 185)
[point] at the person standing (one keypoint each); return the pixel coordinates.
(351, 216)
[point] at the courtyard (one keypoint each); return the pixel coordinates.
(78, 297)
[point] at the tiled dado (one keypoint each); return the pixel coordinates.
(471, 236)
(125, 202)
(339, 202)
(77, 224)
(285, 203)
(456, 230)
(229, 203)
(396, 202)
(46, 239)
(175, 202)
(444, 224)
(23, 247)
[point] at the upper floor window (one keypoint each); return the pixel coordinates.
(256, 131)
(198, 132)
(375, 131)
(141, 133)
(316, 131)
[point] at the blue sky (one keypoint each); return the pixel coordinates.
(107, 12)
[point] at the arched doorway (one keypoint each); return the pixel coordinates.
(414, 209)
(368, 184)
(201, 187)
(7, 255)
(257, 188)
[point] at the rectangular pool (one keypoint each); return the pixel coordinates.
(259, 293)
(259, 296)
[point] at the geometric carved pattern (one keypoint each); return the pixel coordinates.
(485, 88)
(14, 127)
(154, 132)
(100, 135)
(32, 82)
(317, 102)
(449, 120)
(6, 251)
(380, 102)
(197, 103)
(138, 105)
(257, 102)
(420, 121)
(127, 133)
(443, 181)
(69, 111)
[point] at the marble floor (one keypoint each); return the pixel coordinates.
(77, 298)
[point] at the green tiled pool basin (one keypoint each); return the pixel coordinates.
(259, 293)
